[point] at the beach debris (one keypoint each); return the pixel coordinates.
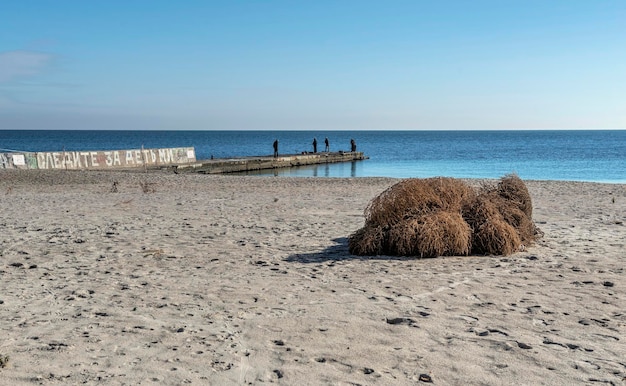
(425, 378)
(147, 187)
(124, 202)
(407, 321)
(4, 361)
(153, 252)
(444, 216)
(114, 187)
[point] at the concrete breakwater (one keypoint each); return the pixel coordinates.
(234, 165)
(177, 159)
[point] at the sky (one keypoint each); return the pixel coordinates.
(312, 65)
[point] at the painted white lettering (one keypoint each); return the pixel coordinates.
(67, 160)
(165, 156)
(57, 162)
(4, 161)
(129, 158)
(49, 161)
(94, 159)
(138, 157)
(77, 163)
(85, 156)
(108, 158)
(41, 161)
(116, 158)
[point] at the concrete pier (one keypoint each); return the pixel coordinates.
(233, 165)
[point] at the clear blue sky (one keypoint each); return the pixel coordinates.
(312, 65)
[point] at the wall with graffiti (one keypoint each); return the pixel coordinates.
(114, 159)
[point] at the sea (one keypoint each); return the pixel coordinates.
(572, 155)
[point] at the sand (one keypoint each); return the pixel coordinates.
(193, 279)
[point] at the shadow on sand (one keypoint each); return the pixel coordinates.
(337, 252)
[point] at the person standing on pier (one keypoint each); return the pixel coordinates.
(352, 145)
(327, 148)
(314, 145)
(276, 149)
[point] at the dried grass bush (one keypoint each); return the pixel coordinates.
(435, 234)
(367, 241)
(444, 216)
(495, 237)
(415, 197)
(490, 205)
(513, 215)
(514, 191)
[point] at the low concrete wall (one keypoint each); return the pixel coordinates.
(98, 160)
(18, 161)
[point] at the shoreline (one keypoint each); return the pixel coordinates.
(244, 279)
(96, 176)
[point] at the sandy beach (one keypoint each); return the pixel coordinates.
(155, 278)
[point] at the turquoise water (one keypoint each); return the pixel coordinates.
(577, 155)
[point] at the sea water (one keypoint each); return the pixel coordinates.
(576, 155)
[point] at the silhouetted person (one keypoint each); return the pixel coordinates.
(314, 145)
(352, 145)
(275, 148)
(327, 148)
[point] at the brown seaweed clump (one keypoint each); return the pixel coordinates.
(444, 217)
